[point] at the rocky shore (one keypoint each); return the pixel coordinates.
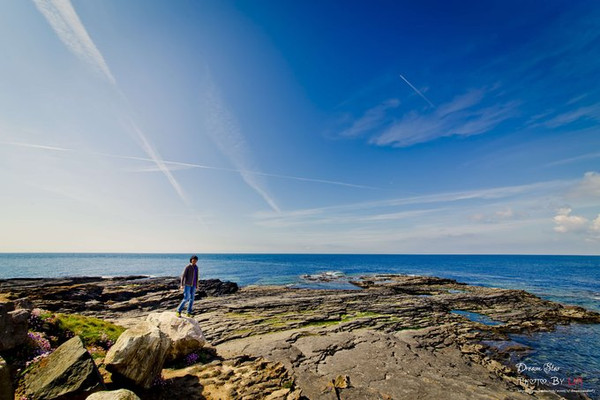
(394, 337)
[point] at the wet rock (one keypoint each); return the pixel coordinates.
(68, 373)
(138, 355)
(185, 333)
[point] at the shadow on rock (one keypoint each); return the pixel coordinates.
(184, 387)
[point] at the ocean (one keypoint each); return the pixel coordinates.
(574, 280)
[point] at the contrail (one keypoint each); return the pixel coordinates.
(65, 22)
(155, 157)
(165, 165)
(62, 17)
(239, 171)
(222, 127)
(417, 91)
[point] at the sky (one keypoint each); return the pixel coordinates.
(269, 126)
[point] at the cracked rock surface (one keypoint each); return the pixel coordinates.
(395, 337)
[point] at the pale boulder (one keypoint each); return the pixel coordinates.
(121, 394)
(138, 355)
(185, 333)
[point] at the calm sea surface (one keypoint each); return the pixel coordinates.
(566, 279)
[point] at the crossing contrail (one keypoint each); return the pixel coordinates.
(417, 91)
(171, 165)
(65, 22)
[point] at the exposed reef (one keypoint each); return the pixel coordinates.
(397, 337)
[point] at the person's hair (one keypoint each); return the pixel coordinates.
(193, 258)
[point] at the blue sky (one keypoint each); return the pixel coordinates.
(300, 126)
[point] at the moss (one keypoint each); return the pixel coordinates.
(279, 322)
(93, 331)
(322, 323)
(288, 384)
(236, 315)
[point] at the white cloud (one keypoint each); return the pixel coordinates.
(595, 227)
(594, 234)
(567, 223)
(372, 118)
(402, 208)
(587, 156)
(459, 117)
(589, 187)
(460, 103)
(502, 215)
(589, 112)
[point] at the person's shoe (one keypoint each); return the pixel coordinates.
(189, 315)
(178, 313)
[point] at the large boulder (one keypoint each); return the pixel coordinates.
(6, 389)
(121, 394)
(68, 373)
(185, 333)
(138, 355)
(13, 326)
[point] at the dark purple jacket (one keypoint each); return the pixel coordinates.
(190, 276)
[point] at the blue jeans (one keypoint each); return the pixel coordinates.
(188, 297)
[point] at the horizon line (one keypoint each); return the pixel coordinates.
(299, 253)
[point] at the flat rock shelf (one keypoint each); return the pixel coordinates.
(398, 337)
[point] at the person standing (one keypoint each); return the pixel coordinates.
(189, 283)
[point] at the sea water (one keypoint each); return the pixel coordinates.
(573, 280)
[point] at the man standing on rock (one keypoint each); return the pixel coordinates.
(189, 282)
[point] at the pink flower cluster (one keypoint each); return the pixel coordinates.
(40, 343)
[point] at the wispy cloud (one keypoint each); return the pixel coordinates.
(63, 19)
(371, 119)
(222, 126)
(463, 116)
(591, 112)
(403, 207)
(587, 156)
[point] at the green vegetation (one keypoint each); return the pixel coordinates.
(366, 314)
(288, 384)
(93, 331)
(322, 323)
